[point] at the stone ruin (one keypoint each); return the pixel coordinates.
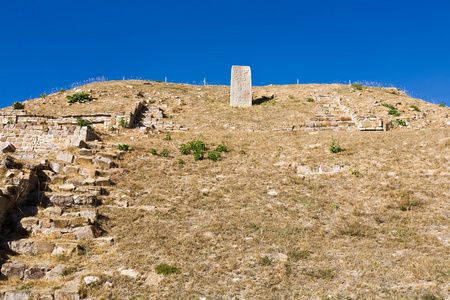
(241, 86)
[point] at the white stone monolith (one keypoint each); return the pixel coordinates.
(241, 86)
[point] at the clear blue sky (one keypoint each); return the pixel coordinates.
(50, 44)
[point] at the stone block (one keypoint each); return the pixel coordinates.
(17, 295)
(66, 157)
(65, 248)
(13, 270)
(103, 162)
(85, 232)
(62, 200)
(29, 223)
(86, 152)
(85, 199)
(36, 271)
(61, 223)
(103, 181)
(241, 86)
(7, 148)
(52, 212)
(56, 167)
(83, 160)
(56, 273)
(22, 246)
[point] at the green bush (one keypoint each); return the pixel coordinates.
(198, 156)
(221, 148)
(165, 153)
(241, 152)
(357, 86)
(123, 123)
(400, 122)
(394, 112)
(78, 97)
(168, 137)
(390, 106)
(124, 147)
(335, 147)
(17, 105)
(185, 149)
(442, 104)
(265, 261)
(165, 269)
(43, 95)
(310, 100)
(62, 90)
(213, 155)
(415, 108)
(83, 122)
(181, 162)
(153, 152)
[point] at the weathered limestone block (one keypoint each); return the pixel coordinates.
(85, 232)
(7, 148)
(241, 86)
(103, 162)
(36, 271)
(22, 247)
(52, 212)
(65, 248)
(17, 295)
(13, 269)
(56, 273)
(65, 157)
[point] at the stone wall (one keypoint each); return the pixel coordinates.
(43, 138)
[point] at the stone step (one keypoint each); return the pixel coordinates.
(67, 200)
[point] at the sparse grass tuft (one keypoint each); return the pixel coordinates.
(265, 261)
(322, 274)
(165, 269)
(221, 148)
(309, 100)
(124, 122)
(124, 147)
(415, 108)
(295, 255)
(335, 147)
(400, 122)
(213, 155)
(168, 137)
(165, 153)
(83, 122)
(357, 86)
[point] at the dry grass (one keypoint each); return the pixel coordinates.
(384, 234)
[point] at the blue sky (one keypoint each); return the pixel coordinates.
(47, 45)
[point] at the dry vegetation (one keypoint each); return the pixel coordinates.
(249, 227)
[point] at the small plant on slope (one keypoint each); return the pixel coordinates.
(17, 105)
(83, 122)
(78, 97)
(335, 147)
(165, 269)
(124, 147)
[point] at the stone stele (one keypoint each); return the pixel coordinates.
(241, 86)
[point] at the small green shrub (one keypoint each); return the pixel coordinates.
(198, 156)
(83, 122)
(10, 120)
(442, 104)
(43, 95)
(124, 147)
(165, 153)
(335, 147)
(181, 162)
(310, 100)
(68, 271)
(123, 123)
(390, 106)
(125, 96)
(265, 261)
(153, 152)
(168, 137)
(357, 86)
(78, 97)
(221, 148)
(394, 112)
(62, 90)
(197, 146)
(111, 128)
(415, 108)
(400, 122)
(17, 105)
(185, 149)
(213, 155)
(356, 173)
(323, 274)
(291, 97)
(165, 269)
(241, 152)
(431, 297)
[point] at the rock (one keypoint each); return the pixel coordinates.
(67, 187)
(103, 162)
(17, 295)
(56, 273)
(43, 247)
(272, 193)
(29, 223)
(14, 269)
(153, 279)
(65, 248)
(63, 200)
(71, 170)
(83, 160)
(88, 199)
(56, 167)
(91, 279)
(22, 247)
(52, 212)
(76, 142)
(104, 240)
(69, 291)
(91, 215)
(89, 181)
(86, 152)
(58, 179)
(130, 273)
(7, 148)
(36, 271)
(65, 157)
(103, 181)
(9, 174)
(85, 232)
